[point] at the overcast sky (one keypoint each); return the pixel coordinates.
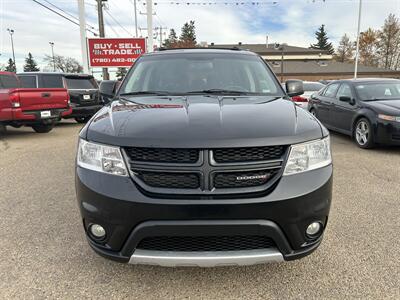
(288, 21)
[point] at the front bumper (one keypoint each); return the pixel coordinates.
(387, 133)
(129, 216)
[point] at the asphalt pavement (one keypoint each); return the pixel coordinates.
(44, 253)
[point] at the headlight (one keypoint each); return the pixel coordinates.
(389, 118)
(101, 158)
(308, 156)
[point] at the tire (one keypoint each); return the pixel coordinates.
(42, 128)
(3, 129)
(363, 134)
(82, 120)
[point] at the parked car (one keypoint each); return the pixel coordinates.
(310, 87)
(211, 164)
(366, 109)
(83, 91)
(37, 108)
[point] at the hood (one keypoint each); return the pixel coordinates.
(202, 121)
(391, 107)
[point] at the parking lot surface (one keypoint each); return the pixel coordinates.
(44, 253)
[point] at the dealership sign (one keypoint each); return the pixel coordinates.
(116, 52)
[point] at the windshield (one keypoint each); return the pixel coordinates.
(196, 73)
(378, 91)
(83, 83)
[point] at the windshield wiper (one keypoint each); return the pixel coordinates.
(220, 92)
(156, 93)
(381, 99)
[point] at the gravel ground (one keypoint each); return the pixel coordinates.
(44, 253)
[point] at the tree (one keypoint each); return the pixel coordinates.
(322, 41)
(389, 43)
(64, 64)
(121, 73)
(30, 64)
(11, 66)
(188, 35)
(345, 50)
(368, 48)
(172, 40)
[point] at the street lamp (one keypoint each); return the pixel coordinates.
(11, 32)
(52, 54)
(358, 39)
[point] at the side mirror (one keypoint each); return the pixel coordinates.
(346, 99)
(107, 88)
(294, 87)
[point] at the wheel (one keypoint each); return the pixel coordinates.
(42, 128)
(82, 119)
(363, 134)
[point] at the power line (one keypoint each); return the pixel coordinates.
(111, 16)
(67, 13)
(61, 15)
(112, 28)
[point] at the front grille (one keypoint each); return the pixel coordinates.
(206, 243)
(169, 179)
(243, 179)
(163, 155)
(249, 154)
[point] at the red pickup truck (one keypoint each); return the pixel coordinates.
(37, 108)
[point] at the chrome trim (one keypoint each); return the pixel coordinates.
(205, 259)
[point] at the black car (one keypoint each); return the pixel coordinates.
(83, 91)
(202, 159)
(366, 109)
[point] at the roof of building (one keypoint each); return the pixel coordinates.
(311, 67)
(262, 49)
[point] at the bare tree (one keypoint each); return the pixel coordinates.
(369, 48)
(64, 64)
(345, 50)
(389, 43)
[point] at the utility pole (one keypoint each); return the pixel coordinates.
(11, 32)
(82, 26)
(106, 76)
(136, 28)
(161, 33)
(52, 54)
(358, 39)
(149, 6)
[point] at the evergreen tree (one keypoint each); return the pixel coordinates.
(188, 35)
(345, 49)
(172, 40)
(11, 66)
(121, 73)
(322, 41)
(30, 64)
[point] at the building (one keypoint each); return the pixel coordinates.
(289, 62)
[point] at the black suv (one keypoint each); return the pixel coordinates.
(202, 159)
(83, 91)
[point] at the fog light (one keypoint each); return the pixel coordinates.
(314, 229)
(97, 231)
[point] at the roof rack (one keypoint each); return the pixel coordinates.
(195, 48)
